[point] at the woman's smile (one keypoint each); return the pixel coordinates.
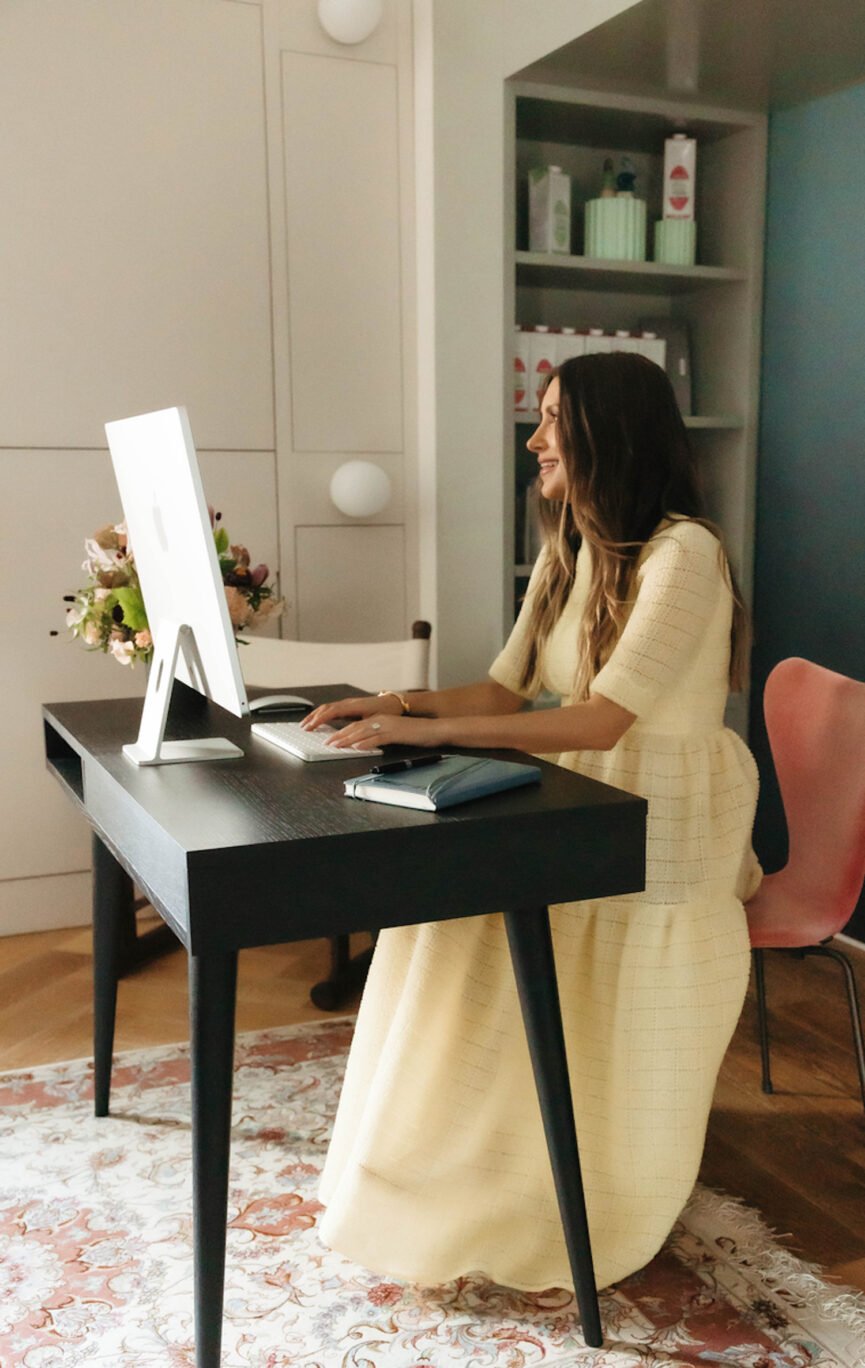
(544, 445)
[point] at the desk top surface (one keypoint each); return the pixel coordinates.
(184, 831)
(268, 795)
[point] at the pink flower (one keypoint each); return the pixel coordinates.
(385, 1294)
(258, 575)
(143, 640)
(238, 607)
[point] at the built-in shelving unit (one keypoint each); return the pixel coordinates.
(719, 298)
(589, 273)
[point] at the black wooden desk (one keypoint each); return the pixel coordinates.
(267, 849)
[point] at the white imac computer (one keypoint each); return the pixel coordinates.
(172, 541)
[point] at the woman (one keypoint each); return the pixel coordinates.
(438, 1164)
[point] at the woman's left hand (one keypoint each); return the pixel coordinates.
(384, 729)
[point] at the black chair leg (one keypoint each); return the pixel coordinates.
(832, 952)
(762, 1018)
(347, 975)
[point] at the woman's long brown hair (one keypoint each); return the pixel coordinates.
(628, 465)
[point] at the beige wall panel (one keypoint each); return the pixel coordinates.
(135, 244)
(306, 486)
(241, 485)
(351, 584)
(44, 904)
(300, 31)
(59, 498)
(342, 211)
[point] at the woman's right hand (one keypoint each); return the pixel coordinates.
(350, 708)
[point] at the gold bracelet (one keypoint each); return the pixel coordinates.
(400, 698)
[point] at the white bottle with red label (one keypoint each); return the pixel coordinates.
(597, 341)
(569, 344)
(522, 361)
(680, 167)
(542, 359)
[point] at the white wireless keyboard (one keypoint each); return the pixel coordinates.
(306, 745)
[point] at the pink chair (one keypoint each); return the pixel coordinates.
(815, 720)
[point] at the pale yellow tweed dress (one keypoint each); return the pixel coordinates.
(438, 1164)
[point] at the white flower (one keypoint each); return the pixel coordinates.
(97, 557)
(92, 634)
(76, 614)
(124, 651)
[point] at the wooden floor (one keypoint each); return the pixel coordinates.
(798, 1156)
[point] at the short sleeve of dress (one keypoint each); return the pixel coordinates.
(506, 667)
(679, 585)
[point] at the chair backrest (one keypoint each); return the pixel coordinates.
(815, 719)
(373, 665)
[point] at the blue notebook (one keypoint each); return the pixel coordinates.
(456, 779)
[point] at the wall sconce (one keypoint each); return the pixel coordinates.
(359, 489)
(349, 21)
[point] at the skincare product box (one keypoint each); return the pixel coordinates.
(597, 341)
(676, 335)
(542, 359)
(680, 169)
(549, 210)
(654, 348)
(569, 343)
(676, 231)
(521, 369)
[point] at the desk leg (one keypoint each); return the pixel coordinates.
(112, 901)
(212, 995)
(531, 947)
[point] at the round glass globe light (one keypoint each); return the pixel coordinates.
(360, 489)
(349, 21)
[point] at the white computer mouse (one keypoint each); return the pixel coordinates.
(276, 703)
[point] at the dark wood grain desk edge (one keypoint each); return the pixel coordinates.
(115, 817)
(243, 896)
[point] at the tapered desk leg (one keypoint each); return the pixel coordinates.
(531, 947)
(212, 994)
(112, 901)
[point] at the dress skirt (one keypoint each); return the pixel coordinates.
(438, 1164)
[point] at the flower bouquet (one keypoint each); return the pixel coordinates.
(108, 614)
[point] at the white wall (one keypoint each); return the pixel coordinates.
(207, 202)
(463, 54)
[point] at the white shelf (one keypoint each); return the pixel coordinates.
(718, 422)
(549, 271)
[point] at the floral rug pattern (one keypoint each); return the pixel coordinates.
(96, 1257)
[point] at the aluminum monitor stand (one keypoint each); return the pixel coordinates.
(174, 640)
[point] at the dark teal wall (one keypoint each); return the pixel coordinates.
(810, 568)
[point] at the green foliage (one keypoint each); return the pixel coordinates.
(132, 604)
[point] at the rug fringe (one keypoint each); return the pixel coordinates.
(756, 1239)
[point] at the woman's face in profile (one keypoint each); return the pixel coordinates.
(544, 444)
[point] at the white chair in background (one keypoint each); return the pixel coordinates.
(270, 663)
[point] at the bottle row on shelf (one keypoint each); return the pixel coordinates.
(615, 221)
(538, 350)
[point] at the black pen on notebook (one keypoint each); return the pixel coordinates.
(417, 762)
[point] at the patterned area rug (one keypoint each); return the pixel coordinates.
(95, 1247)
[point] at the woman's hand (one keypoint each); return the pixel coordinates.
(349, 707)
(385, 729)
